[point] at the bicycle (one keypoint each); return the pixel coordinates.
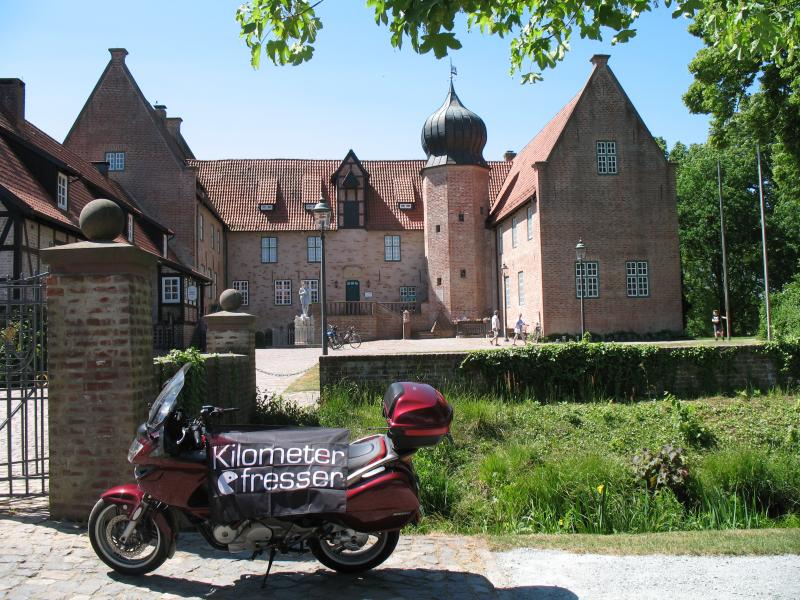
(351, 337)
(536, 336)
(333, 337)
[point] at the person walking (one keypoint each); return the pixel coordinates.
(716, 322)
(519, 328)
(495, 330)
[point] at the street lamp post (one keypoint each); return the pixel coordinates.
(322, 218)
(580, 254)
(504, 269)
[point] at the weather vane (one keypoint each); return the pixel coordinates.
(453, 70)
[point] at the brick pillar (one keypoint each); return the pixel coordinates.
(100, 367)
(234, 332)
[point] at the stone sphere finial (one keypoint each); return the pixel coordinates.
(102, 220)
(230, 300)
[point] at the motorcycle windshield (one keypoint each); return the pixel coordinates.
(164, 404)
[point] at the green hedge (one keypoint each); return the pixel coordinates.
(586, 371)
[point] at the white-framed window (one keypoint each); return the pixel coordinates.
(408, 293)
(62, 191)
(638, 278)
(283, 292)
(164, 245)
(590, 279)
(130, 228)
(243, 287)
(530, 222)
(116, 161)
(521, 288)
(171, 290)
(200, 225)
(606, 158)
(514, 237)
(314, 248)
(391, 248)
(269, 249)
(507, 289)
(312, 285)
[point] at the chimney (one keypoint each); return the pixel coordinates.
(12, 99)
(101, 166)
(161, 110)
(600, 60)
(118, 55)
(173, 126)
(509, 155)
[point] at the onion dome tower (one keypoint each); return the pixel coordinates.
(455, 191)
(454, 135)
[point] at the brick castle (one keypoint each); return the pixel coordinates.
(451, 236)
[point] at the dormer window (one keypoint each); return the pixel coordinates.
(309, 206)
(351, 183)
(405, 206)
(266, 207)
(130, 228)
(62, 191)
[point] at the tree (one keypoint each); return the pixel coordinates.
(698, 215)
(540, 30)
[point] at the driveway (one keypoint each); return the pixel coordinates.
(54, 561)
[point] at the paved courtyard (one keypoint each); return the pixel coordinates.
(54, 561)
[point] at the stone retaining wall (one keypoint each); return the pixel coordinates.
(748, 368)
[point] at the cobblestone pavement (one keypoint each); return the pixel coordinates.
(45, 559)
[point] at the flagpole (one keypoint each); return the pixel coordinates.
(724, 255)
(764, 242)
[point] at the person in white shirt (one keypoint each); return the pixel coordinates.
(495, 329)
(519, 328)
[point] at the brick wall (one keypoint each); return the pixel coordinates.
(456, 202)
(100, 368)
(117, 118)
(628, 216)
(749, 368)
(352, 254)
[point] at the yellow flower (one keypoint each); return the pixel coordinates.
(600, 489)
(561, 522)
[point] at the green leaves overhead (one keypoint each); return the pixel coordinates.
(540, 30)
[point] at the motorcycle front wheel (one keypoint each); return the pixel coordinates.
(144, 551)
(353, 552)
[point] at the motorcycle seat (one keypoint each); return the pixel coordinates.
(365, 451)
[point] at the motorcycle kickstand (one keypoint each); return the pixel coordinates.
(272, 553)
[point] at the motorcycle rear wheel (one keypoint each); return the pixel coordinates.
(107, 521)
(337, 556)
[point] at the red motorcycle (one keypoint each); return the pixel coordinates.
(133, 528)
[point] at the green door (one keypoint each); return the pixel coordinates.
(352, 290)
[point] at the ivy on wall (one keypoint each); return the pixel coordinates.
(585, 371)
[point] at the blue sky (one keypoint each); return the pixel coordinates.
(357, 92)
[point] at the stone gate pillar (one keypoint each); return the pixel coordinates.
(100, 359)
(234, 332)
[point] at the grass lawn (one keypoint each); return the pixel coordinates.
(732, 542)
(523, 467)
(307, 382)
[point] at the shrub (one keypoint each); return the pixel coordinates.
(785, 314)
(666, 469)
(272, 409)
(689, 425)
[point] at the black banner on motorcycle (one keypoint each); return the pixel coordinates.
(277, 472)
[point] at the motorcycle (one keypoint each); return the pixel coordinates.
(134, 528)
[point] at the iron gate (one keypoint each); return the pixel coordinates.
(23, 388)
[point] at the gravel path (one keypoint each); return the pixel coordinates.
(591, 576)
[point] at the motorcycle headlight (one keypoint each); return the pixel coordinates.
(136, 447)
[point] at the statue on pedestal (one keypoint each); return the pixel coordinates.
(305, 299)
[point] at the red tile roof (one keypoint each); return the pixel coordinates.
(236, 188)
(20, 184)
(520, 185)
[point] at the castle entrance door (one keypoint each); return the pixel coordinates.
(352, 290)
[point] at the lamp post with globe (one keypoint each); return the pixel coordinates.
(322, 219)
